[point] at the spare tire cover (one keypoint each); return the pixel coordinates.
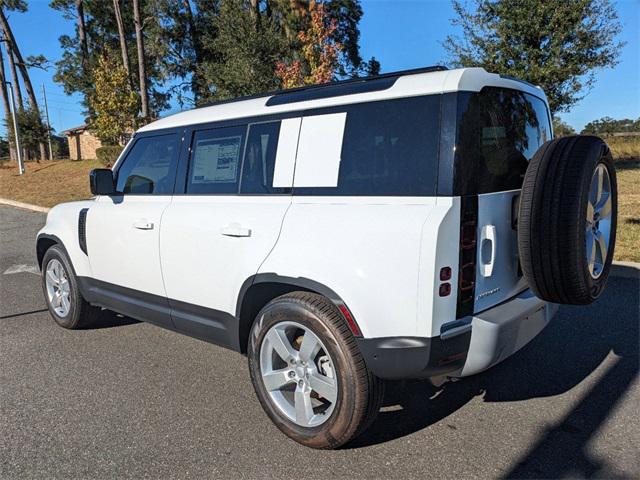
(567, 219)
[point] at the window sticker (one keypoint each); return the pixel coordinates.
(216, 160)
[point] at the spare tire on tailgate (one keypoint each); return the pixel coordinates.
(567, 219)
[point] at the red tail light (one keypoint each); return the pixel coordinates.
(467, 259)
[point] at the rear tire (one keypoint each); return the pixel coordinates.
(61, 292)
(567, 220)
(301, 317)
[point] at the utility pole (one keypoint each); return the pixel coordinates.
(46, 112)
(16, 129)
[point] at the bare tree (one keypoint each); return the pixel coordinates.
(142, 76)
(14, 76)
(13, 48)
(7, 106)
(82, 35)
(123, 40)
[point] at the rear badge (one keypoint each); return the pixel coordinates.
(487, 293)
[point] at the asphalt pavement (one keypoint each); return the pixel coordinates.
(128, 399)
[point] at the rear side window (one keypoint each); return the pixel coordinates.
(498, 132)
(260, 158)
(149, 167)
(215, 160)
(388, 148)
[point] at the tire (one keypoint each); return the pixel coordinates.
(359, 393)
(79, 313)
(560, 248)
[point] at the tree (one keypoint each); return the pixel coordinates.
(5, 102)
(241, 53)
(124, 50)
(561, 128)
(607, 126)
(20, 6)
(142, 75)
(556, 44)
(319, 51)
(114, 103)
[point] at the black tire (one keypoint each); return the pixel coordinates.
(360, 393)
(81, 314)
(552, 225)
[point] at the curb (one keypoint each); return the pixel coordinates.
(24, 206)
(626, 270)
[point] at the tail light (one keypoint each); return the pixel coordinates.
(467, 259)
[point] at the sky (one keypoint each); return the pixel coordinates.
(401, 34)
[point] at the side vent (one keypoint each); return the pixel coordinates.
(468, 252)
(82, 230)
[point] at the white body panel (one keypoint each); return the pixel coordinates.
(127, 237)
(62, 223)
(367, 250)
(206, 267)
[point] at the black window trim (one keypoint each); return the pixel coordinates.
(135, 139)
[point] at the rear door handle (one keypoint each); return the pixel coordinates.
(487, 252)
(235, 230)
(143, 224)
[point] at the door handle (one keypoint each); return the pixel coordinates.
(235, 230)
(143, 224)
(487, 258)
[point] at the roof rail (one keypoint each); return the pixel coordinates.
(332, 89)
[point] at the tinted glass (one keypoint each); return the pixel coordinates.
(389, 148)
(150, 166)
(499, 131)
(260, 158)
(215, 160)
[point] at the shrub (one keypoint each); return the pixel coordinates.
(108, 154)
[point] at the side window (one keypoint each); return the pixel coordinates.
(215, 160)
(260, 158)
(149, 167)
(387, 148)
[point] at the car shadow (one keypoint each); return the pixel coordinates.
(571, 348)
(109, 319)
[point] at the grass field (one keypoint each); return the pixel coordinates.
(50, 183)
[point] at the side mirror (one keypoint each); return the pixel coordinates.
(101, 182)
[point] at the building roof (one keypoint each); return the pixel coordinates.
(425, 81)
(73, 130)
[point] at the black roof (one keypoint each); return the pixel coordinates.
(332, 89)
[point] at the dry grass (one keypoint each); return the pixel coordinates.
(628, 232)
(47, 183)
(50, 183)
(624, 148)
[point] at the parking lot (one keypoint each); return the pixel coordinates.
(128, 399)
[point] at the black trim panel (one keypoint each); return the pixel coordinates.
(132, 303)
(393, 358)
(82, 230)
(206, 324)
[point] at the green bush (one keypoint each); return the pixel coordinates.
(108, 154)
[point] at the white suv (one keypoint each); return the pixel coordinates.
(410, 225)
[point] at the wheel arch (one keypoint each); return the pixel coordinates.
(43, 243)
(261, 288)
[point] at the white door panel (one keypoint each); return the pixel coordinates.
(211, 244)
(123, 236)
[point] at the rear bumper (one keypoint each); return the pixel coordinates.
(465, 347)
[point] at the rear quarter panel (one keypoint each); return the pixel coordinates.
(368, 251)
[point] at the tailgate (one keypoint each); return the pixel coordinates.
(498, 274)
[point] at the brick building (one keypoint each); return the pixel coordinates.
(82, 143)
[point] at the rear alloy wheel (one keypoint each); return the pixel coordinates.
(308, 373)
(567, 220)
